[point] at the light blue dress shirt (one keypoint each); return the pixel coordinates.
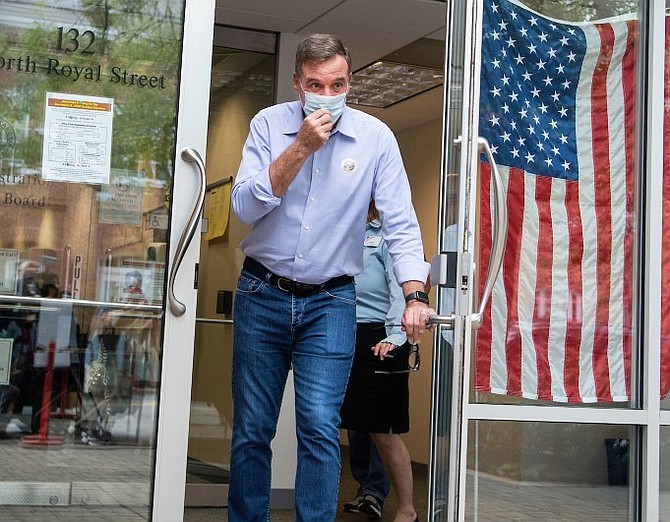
(379, 298)
(316, 230)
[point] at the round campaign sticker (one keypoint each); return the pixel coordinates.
(349, 165)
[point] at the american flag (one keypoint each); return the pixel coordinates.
(557, 104)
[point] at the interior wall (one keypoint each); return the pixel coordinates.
(422, 150)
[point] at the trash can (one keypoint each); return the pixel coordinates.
(617, 461)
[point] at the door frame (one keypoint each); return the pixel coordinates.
(179, 331)
(645, 416)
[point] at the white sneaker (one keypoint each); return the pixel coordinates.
(19, 423)
(15, 426)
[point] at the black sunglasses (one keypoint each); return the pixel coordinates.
(413, 362)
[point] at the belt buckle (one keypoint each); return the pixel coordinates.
(279, 280)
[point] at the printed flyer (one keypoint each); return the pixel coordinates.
(77, 143)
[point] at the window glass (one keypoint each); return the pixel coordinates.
(557, 106)
(88, 106)
(664, 508)
(543, 471)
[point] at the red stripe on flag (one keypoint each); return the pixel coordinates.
(543, 286)
(629, 82)
(573, 333)
(483, 349)
(515, 207)
(603, 209)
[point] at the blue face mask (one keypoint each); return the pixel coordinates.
(334, 104)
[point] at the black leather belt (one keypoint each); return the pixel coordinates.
(288, 285)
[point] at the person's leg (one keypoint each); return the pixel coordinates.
(368, 470)
(378, 480)
(261, 359)
(36, 398)
(325, 336)
(4, 399)
(396, 459)
(359, 456)
(367, 466)
(12, 399)
(360, 444)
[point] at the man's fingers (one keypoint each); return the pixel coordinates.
(415, 322)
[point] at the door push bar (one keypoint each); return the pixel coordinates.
(439, 271)
(191, 155)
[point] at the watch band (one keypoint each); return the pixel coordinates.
(417, 296)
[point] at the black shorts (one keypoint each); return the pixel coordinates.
(376, 403)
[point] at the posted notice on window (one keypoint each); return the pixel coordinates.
(77, 138)
(9, 270)
(5, 360)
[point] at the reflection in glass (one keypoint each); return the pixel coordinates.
(81, 378)
(85, 199)
(85, 213)
(536, 471)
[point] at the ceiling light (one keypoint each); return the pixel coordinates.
(384, 83)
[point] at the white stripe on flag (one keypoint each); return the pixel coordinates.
(527, 285)
(499, 316)
(589, 291)
(560, 292)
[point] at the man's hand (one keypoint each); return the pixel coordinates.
(313, 134)
(415, 321)
(415, 318)
(315, 130)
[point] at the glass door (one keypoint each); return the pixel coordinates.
(538, 401)
(243, 82)
(101, 131)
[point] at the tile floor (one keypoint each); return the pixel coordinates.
(347, 491)
(89, 483)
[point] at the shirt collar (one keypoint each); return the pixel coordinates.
(295, 116)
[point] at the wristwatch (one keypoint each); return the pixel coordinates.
(422, 297)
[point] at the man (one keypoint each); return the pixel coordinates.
(309, 169)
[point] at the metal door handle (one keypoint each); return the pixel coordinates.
(445, 320)
(499, 234)
(191, 155)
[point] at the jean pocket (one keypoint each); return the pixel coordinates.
(248, 284)
(344, 293)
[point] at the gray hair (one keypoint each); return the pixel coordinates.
(318, 48)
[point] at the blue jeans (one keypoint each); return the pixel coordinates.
(315, 336)
(367, 466)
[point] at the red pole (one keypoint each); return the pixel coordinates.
(43, 438)
(46, 394)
